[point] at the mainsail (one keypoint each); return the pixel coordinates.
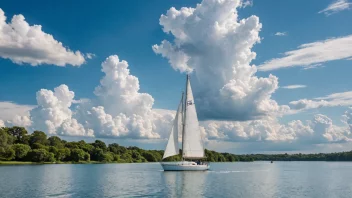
(192, 144)
(172, 145)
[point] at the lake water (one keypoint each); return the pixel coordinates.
(256, 179)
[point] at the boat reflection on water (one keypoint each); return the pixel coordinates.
(185, 183)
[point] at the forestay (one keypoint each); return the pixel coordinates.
(172, 147)
(192, 145)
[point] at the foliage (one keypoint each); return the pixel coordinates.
(7, 153)
(39, 155)
(20, 150)
(97, 154)
(19, 134)
(77, 155)
(56, 142)
(38, 137)
(5, 138)
(17, 144)
(63, 154)
(86, 157)
(100, 144)
(108, 157)
(39, 146)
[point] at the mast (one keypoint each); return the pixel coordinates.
(184, 117)
(183, 125)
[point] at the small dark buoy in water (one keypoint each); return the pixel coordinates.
(271, 161)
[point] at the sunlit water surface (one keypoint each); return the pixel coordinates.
(257, 179)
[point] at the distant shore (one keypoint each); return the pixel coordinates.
(18, 147)
(97, 162)
(39, 163)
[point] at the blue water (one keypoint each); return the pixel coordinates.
(257, 179)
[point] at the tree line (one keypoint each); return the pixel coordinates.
(17, 145)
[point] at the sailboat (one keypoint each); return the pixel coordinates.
(186, 123)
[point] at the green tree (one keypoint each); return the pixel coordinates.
(63, 154)
(117, 149)
(97, 155)
(56, 142)
(137, 157)
(21, 151)
(39, 146)
(54, 151)
(19, 133)
(5, 139)
(100, 144)
(86, 147)
(38, 137)
(72, 145)
(149, 157)
(86, 157)
(116, 157)
(108, 157)
(77, 155)
(50, 157)
(38, 155)
(7, 153)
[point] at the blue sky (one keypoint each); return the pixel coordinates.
(129, 29)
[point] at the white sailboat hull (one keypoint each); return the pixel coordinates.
(184, 166)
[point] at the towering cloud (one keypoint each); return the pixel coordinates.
(213, 42)
(53, 112)
(22, 43)
(118, 91)
(123, 111)
(119, 111)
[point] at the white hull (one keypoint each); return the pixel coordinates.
(184, 166)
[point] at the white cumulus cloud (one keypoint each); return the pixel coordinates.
(23, 43)
(53, 112)
(336, 6)
(211, 40)
(311, 54)
(123, 110)
(119, 110)
(316, 131)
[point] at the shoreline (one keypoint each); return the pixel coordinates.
(41, 163)
(4, 163)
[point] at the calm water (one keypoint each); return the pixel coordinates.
(258, 179)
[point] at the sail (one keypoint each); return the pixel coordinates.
(172, 144)
(192, 145)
